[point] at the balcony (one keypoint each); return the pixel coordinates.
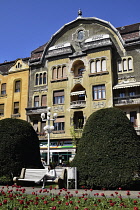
(36, 110)
(77, 104)
(128, 100)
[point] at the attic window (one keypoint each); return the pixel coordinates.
(80, 35)
(18, 65)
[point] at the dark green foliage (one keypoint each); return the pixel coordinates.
(108, 153)
(19, 147)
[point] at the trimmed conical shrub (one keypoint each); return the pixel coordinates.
(108, 153)
(19, 147)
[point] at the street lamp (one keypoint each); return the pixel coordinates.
(48, 129)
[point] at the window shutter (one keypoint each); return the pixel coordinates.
(43, 100)
(59, 93)
(3, 86)
(64, 72)
(54, 73)
(36, 98)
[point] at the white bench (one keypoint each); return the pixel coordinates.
(38, 175)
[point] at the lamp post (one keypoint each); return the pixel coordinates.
(48, 129)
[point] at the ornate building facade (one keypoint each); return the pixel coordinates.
(88, 64)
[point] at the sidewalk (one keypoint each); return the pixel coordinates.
(78, 192)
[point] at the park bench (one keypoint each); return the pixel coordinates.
(62, 176)
(38, 175)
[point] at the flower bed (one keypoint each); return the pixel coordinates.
(16, 198)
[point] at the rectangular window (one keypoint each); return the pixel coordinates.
(16, 108)
(99, 92)
(132, 92)
(133, 118)
(58, 97)
(59, 124)
(3, 89)
(36, 101)
(17, 86)
(43, 100)
(1, 109)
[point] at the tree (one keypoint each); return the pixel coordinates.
(108, 151)
(19, 147)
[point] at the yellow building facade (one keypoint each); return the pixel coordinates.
(14, 89)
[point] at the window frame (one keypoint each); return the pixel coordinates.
(3, 90)
(17, 86)
(2, 110)
(125, 65)
(58, 97)
(99, 92)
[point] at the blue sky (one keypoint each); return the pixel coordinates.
(28, 24)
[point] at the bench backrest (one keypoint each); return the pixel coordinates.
(35, 173)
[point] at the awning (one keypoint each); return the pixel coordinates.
(77, 93)
(126, 85)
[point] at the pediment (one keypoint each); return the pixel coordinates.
(83, 33)
(19, 66)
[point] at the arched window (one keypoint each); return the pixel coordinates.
(64, 72)
(44, 78)
(40, 79)
(80, 35)
(124, 65)
(98, 66)
(92, 67)
(54, 73)
(36, 79)
(130, 64)
(120, 66)
(103, 65)
(59, 72)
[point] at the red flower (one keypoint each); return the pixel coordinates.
(135, 201)
(4, 201)
(0, 204)
(111, 195)
(128, 193)
(76, 207)
(91, 190)
(119, 188)
(45, 202)
(67, 203)
(54, 207)
(21, 202)
(102, 194)
(76, 191)
(78, 201)
(59, 202)
(71, 202)
(85, 208)
(136, 208)
(52, 199)
(112, 204)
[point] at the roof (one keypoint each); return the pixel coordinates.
(4, 67)
(128, 33)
